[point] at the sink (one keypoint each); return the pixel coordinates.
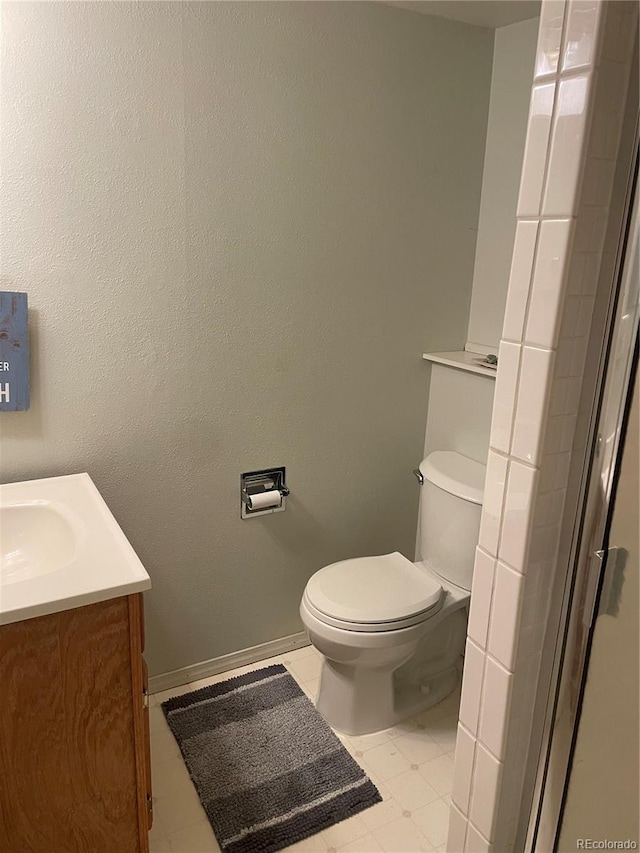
(35, 539)
(61, 547)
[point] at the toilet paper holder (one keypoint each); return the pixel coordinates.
(255, 484)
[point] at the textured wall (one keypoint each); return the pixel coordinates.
(514, 54)
(239, 225)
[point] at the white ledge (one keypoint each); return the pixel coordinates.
(469, 361)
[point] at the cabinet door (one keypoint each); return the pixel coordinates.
(66, 722)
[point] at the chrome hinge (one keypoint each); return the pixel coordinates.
(145, 698)
(149, 803)
(613, 560)
(591, 587)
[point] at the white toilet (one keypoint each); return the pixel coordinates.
(392, 631)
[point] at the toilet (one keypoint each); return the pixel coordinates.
(392, 632)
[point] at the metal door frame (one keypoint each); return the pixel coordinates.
(589, 547)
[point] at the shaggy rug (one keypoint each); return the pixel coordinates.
(267, 768)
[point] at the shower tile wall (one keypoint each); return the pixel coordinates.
(578, 95)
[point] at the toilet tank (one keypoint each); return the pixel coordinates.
(450, 507)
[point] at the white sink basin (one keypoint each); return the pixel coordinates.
(35, 539)
(60, 547)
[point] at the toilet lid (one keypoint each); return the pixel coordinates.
(370, 590)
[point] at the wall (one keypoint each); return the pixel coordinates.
(513, 58)
(583, 62)
(239, 225)
(594, 269)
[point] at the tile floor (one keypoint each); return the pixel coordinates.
(411, 765)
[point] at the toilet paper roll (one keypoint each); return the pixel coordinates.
(266, 500)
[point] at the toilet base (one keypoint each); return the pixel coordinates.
(358, 700)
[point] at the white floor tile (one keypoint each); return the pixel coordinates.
(439, 773)
(386, 761)
(403, 728)
(347, 830)
(433, 821)
(418, 746)
(163, 745)
(449, 705)
(411, 790)
(194, 839)
(367, 844)
(297, 654)
(402, 836)
(364, 742)
(179, 810)
(160, 844)
(169, 776)
(311, 688)
(158, 840)
(157, 719)
(444, 732)
(381, 814)
(306, 668)
(276, 659)
(207, 682)
(346, 742)
(159, 698)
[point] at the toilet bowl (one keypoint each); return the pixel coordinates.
(392, 632)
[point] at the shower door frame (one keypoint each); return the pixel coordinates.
(589, 551)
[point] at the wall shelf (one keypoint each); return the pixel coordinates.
(461, 360)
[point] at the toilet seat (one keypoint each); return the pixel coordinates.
(382, 593)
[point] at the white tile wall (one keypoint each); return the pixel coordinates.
(506, 389)
(463, 770)
(496, 478)
(457, 830)
(528, 432)
(484, 794)
(472, 683)
(481, 594)
(521, 488)
(507, 604)
(580, 40)
(535, 150)
(520, 279)
(495, 707)
(549, 38)
(566, 152)
(548, 282)
(475, 842)
(581, 73)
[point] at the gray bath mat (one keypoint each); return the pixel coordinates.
(267, 768)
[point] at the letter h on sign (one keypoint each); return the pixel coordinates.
(14, 352)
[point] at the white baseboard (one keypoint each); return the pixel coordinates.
(207, 668)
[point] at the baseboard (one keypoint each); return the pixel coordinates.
(196, 671)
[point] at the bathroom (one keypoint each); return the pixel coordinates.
(240, 226)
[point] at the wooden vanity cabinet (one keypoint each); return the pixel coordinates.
(74, 732)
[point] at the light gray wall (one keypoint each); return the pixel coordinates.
(239, 225)
(513, 59)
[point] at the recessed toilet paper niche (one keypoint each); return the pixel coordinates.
(263, 492)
